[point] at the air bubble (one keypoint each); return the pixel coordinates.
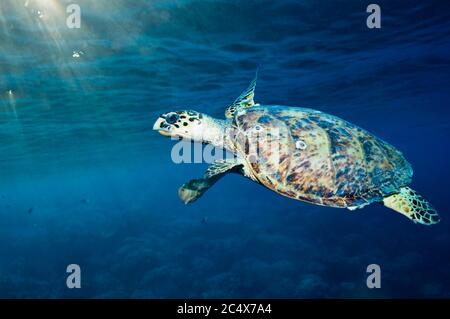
(301, 145)
(77, 54)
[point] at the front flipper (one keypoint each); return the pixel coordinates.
(412, 205)
(244, 100)
(194, 189)
(221, 166)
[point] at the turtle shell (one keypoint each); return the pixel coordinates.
(316, 157)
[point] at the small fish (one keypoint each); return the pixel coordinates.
(30, 210)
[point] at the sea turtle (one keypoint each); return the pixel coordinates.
(300, 153)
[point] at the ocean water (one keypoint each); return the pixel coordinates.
(84, 179)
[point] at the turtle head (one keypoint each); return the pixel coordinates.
(182, 124)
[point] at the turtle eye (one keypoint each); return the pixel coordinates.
(172, 119)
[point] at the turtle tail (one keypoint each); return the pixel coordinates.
(412, 205)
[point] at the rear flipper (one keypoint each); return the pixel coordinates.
(413, 206)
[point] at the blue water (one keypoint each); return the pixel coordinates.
(84, 179)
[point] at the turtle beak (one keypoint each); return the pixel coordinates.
(161, 126)
(157, 126)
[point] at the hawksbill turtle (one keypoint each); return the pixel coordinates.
(301, 153)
